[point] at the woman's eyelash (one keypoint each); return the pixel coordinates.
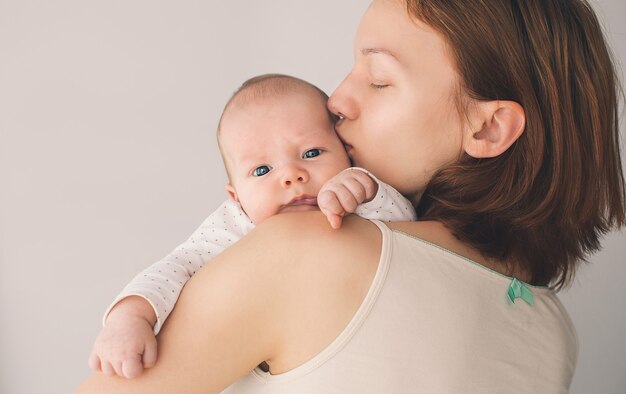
(377, 86)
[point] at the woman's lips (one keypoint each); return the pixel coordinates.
(346, 146)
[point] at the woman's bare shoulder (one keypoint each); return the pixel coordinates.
(292, 242)
(312, 230)
(324, 277)
(298, 239)
(316, 222)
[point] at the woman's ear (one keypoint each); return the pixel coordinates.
(230, 190)
(500, 124)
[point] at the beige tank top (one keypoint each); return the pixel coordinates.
(436, 322)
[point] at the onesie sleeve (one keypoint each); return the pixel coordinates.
(161, 283)
(388, 205)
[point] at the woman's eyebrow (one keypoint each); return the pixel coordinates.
(369, 51)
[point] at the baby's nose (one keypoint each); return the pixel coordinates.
(294, 175)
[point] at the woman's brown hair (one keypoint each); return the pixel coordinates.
(543, 204)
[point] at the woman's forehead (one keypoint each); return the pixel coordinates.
(388, 28)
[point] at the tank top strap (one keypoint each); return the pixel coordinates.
(386, 232)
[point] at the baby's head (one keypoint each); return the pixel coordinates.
(279, 145)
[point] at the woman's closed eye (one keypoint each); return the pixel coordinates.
(311, 153)
(261, 170)
(378, 86)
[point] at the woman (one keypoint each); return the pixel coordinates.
(498, 120)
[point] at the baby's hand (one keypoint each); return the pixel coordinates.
(341, 194)
(125, 346)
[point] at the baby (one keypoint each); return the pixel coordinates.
(281, 154)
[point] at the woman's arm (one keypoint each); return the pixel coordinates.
(257, 302)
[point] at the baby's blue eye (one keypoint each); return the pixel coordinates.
(260, 171)
(311, 153)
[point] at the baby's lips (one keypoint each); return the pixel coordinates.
(305, 199)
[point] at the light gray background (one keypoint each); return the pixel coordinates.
(108, 160)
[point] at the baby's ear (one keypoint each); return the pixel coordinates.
(231, 192)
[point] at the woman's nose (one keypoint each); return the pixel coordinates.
(294, 175)
(341, 102)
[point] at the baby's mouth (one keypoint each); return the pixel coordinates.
(304, 199)
(304, 202)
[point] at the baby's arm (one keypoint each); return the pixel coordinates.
(150, 297)
(161, 283)
(357, 190)
(388, 205)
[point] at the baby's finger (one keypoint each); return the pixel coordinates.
(335, 221)
(132, 367)
(368, 184)
(357, 189)
(149, 357)
(333, 218)
(346, 198)
(328, 203)
(107, 369)
(117, 367)
(94, 363)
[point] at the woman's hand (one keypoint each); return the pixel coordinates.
(341, 194)
(126, 344)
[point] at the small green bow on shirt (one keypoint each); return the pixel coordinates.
(518, 289)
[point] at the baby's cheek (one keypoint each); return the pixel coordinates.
(260, 209)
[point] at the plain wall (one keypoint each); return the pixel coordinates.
(108, 160)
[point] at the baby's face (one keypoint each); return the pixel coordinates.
(280, 151)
